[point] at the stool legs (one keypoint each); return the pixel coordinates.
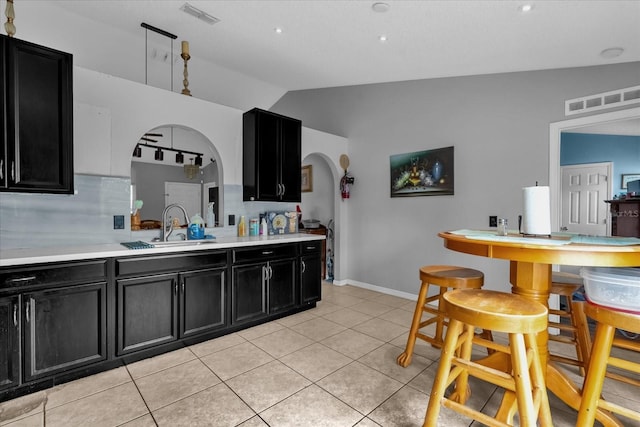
(595, 375)
(404, 359)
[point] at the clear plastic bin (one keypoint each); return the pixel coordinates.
(617, 288)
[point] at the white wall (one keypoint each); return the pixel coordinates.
(109, 50)
(499, 127)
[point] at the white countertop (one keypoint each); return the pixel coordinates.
(15, 257)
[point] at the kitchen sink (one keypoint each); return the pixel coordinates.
(178, 243)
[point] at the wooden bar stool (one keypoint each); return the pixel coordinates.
(517, 316)
(446, 277)
(576, 327)
(607, 322)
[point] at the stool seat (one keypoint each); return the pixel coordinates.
(513, 314)
(445, 277)
(497, 311)
(607, 321)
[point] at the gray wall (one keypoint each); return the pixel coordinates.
(499, 126)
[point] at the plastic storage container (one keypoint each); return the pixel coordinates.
(617, 288)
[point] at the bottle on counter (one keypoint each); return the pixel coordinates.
(196, 228)
(253, 227)
(242, 227)
(263, 227)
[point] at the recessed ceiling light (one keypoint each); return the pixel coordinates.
(382, 38)
(526, 8)
(612, 52)
(278, 30)
(380, 7)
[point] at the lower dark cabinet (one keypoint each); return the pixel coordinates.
(202, 302)
(248, 293)
(146, 312)
(64, 328)
(310, 278)
(158, 309)
(283, 293)
(9, 350)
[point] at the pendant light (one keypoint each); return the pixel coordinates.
(180, 157)
(137, 152)
(159, 155)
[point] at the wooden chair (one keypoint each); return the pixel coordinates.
(607, 322)
(445, 277)
(517, 316)
(575, 328)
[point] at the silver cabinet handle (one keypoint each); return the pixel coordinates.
(182, 287)
(13, 171)
(270, 273)
(267, 252)
(265, 273)
(1, 168)
(21, 279)
(27, 310)
(284, 189)
(175, 287)
(304, 266)
(15, 315)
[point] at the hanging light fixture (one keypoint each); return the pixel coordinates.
(198, 161)
(137, 152)
(191, 170)
(159, 155)
(180, 157)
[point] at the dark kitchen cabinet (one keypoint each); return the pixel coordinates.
(271, 157)
(64, 328)
(310, 271)
(9, 343)
(53, 319)
(625, 217)
(155, 309)
(264, 282)
(37, 114)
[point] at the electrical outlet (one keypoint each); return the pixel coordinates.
(118, 222)
(493, 221)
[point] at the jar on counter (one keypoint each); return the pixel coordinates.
(502, 227)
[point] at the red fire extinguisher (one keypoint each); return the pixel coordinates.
(345, 183)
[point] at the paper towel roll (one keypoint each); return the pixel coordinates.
(537, 211)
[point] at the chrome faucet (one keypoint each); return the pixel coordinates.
(167, 230)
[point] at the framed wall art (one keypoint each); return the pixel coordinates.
(628, 177)
(306, 179)
(422, 173)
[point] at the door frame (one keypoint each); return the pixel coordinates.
(555, 130)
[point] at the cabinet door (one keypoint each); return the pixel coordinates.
(310, 278)
(3, 102)
(290, 157)
(282, 285)
(202, 296)
(248, 293)
(64, 328)
(268, 157)
(147, 312)
(9, 344)
(39, 118)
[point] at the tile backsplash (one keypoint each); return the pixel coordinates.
(86, 217)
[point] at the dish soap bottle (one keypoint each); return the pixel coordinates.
(242, 227)
(196, 228)
(263, 227)
(211, 217)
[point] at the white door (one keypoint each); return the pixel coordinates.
(187, 195)
(584, 189)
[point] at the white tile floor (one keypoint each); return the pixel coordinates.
(330, 366)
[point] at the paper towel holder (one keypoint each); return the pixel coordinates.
(538, 235)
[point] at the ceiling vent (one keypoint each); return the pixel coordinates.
(200, 14)
(601, 101)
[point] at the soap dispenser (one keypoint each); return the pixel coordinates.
(211, 216)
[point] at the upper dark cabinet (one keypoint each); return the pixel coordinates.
(271, 157)
(37, 118)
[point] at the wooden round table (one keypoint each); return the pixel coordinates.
(530, 275)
